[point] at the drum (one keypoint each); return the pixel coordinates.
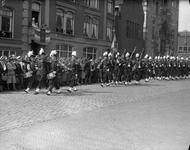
(51, 75)
(28, 74)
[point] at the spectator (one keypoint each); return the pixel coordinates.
(11, 73)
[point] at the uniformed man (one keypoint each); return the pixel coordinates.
(73, 72)
(128, 69)
(137, 69)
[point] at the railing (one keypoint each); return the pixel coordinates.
(5, 34)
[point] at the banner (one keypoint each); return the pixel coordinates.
(114, 44)
(41, 36)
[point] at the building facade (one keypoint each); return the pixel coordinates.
(129, 25)
(184, 44)
(82, 25)
(161, 27)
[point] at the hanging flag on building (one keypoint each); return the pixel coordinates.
(114, 43)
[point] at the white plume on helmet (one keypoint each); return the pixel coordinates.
(117, 54)
(30, 53)
(146, 56)
(127, 54)
(109, 54)
(186, 59)
(150, 58)
(155, 57)
(53, 53)
(41, 51)
(74, 53)
(137, 55)
(105, 54)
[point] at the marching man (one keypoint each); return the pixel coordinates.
(73, 72)
(55, 67)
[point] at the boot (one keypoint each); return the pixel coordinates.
(27, 90)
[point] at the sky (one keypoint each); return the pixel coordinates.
(184, 15)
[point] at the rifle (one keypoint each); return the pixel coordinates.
(133, 52)
(142, 52)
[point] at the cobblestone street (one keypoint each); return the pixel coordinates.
(152, 116)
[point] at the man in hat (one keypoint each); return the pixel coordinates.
(55, 67)
(73, 72)
(11, 73)
(104, 64)
(43, 65)
(128, 69)
(87, 69)
(111, 68)
(32, 68)
(137, 69)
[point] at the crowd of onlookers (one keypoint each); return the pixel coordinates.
(12, 72)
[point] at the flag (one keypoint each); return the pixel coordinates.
(114, 43)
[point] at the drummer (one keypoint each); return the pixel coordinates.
(55, 67)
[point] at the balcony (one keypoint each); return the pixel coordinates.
(39, 35)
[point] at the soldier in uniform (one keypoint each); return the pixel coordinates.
(43, 64)
(145, 68)
(55, 68)
(32, 68)
(118, 68)
(128, 69)
(105, 65)
(187, 65)
(156, 69)
(73, 72)
(111, 68)
(137, 69)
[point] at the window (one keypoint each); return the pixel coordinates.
(109, 30)
(184, 49)
(180, 50)
(110, 6)
(92, 3)
(132, 30)
(138, 31)
(7, 53)
(6, 23)
(59, 20)
(127, 28)
(64, 50)
(89, 52)
(135, 33)
(90, 27)
(87, 23)
(95, 28)
(69, 23)
(153, 22)
(36, 13)
(188, 49)
(64, 22)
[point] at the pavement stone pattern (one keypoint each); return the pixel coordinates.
(18, 109)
